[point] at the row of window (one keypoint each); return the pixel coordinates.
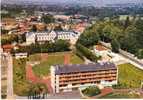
(87, 74)
(51, 38)
(102, 71)
(82, 83)
(91, 78)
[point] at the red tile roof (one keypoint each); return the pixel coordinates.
(7, 46)
(100, 48)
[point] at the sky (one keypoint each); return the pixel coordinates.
(85, 2)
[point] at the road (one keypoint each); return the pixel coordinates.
(87, 61)
(75, 94)
(136, 62)
(10, 77)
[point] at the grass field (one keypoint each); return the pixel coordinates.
(130, 76)
(21, 86)
(43, 68)
(121, 95)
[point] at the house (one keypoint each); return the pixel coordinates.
(102, 51)
(67, 35)
(68, 77)
(62, 17)
(107, 55)
(9, 47)
(30, 38)
(21, 55)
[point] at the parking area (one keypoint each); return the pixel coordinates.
(75, 94)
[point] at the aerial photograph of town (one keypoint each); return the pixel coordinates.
(71, 49)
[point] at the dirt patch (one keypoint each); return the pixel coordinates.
(33, 78)
(67, 58)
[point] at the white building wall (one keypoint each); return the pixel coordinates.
(41, 37)
(53, 78)
(107, 83)
(20, 55)
(30, 38)
(57, 84)
(70, 87)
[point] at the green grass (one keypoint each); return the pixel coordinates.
(75, 59)
(21, 86)
(130, 76)
(43, 68)
(120, 95)
(35, 57)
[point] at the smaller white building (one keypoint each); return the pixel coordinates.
(100, 50)
(21, 55)
(30, 38)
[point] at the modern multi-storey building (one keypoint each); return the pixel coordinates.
(32, 37)
(68, 77)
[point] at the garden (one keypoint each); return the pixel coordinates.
(91, 91)
(23, 87)
(121, 95)
(43, 69)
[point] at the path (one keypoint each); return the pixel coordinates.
(67, 59)
(33, 78)
(10, 77)
(128, 56)
(104, 91)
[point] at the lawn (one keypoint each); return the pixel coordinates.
(129, 76)
(120, 95)
(21, 86)
(43, 68)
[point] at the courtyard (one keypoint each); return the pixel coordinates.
(46, 60)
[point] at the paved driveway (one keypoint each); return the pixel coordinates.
(75, 94)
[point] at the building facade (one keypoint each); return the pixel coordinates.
(21, 55)
(32, 37)
(69, 77)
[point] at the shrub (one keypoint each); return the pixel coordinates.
(91, 91)
(87, 53)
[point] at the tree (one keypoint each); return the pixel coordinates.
(57, 46)
(86, 52)
(140, 54)
(127, 22)
(62, 45)
(47, 19)
(115, 45)
(36, 90)
(8, 39)
(3, 31)
(58, 28)
(45, 28)
(89, 38)
(34, 28)
(91, 91)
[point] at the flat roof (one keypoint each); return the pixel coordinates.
(72, 68)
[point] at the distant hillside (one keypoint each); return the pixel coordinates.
(97, 3)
